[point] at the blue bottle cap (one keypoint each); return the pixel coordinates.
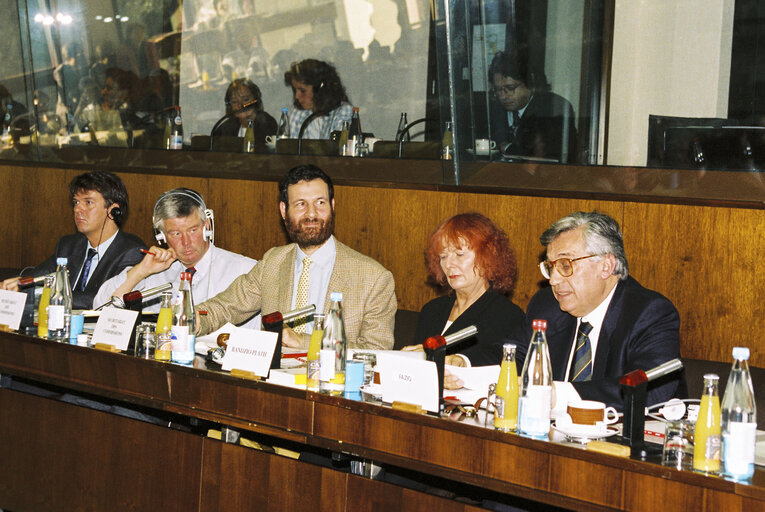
(61, 261)
(741, 353)
(336, 296)
(284, 110)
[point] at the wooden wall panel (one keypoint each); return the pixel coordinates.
(704, 259)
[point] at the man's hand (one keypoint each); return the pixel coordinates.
(412, 348)
(450, 380)
(291, 339)
(11, 284)
(156, 261)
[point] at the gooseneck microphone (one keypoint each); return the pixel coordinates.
(303, 126)
(243, 108)
(136, 295)
(435, 342)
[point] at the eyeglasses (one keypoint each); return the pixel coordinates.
(564, 266)
(505, 90)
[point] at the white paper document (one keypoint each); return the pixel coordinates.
(11, 308)
(476, 378)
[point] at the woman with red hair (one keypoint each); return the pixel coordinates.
(471, 258)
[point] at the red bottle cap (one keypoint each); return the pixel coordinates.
(539, 324)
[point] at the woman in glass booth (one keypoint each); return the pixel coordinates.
(244, 103)
(317, 91)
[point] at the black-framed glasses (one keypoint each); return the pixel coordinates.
(564, 266)
(505, 90)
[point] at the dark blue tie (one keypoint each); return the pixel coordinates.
(582, 369)
(86, 270)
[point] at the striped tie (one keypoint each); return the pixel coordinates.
(301, 300)
(86, 270)
(582, 369)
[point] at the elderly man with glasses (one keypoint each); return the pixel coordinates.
(601, 323)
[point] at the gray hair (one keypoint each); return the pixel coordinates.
(601, 236)
(175, 203)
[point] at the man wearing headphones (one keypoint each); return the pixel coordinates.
(100, 249)
(184, 224)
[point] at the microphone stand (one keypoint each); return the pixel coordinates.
(634, 387)
(274, 322)
(303, 126)
(400, 135)
(435, 350)
(246, 106)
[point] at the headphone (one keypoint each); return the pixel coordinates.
(115, 214)
(207, 234)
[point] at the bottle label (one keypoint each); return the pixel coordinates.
(327, 362)
(712, 447)
(313, 369)
(534, 410)
(499, 407)
(180, 335)
(738, 449)
(178, 121)
(55, 318)
(176, 141)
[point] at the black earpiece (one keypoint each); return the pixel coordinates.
(115, 214)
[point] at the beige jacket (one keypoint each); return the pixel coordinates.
(369, 299)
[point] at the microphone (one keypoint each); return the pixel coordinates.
(637, 377)
(274, 322)
(136, 295)
(303, 126)
(243, 108)
(26, 282)
(404, 131)
(435, 342)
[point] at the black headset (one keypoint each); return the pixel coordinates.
(115, 214)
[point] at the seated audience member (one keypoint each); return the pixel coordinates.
(601, 323)
(9, 108)
(318, 91)
(99, 250)
(526, 118)
(316, 261)
(472, 258)
(182, 221)
(242, 92)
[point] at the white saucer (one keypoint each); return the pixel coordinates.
(587, 434)
(471, 152)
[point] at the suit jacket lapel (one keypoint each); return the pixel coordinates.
(470, 315)
(286, 275)
(339, 278)
(560, 337)
(108, 260)
(605, 342)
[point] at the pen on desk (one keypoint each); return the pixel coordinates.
(294, 355)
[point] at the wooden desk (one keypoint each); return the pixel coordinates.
(60, 456)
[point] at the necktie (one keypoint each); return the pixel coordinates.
(86, 270)
(582, 369)
(301, 300)
(192, 271)
(516, 124)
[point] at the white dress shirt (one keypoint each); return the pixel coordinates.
(214, 273)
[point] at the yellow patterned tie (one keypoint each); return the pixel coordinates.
(302, 294)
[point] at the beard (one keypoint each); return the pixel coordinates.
(312, 236)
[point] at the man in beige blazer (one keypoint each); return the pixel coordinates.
(307, 206)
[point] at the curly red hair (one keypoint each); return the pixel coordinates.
(494, 257)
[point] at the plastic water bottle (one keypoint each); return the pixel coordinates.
(333, 349)
(60, 305)
(536, 386)
(739, 419)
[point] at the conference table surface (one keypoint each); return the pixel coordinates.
(562, 474)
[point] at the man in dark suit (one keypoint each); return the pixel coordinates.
(627, 327)
(99, 250)
(526, 118)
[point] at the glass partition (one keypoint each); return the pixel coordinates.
(649, 98)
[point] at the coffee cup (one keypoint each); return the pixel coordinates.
(271, 143)
(590, 412)
(484, 146)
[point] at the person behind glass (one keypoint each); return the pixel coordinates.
(118, 95)
(183, 222)
(317, 89)
(9, 105)
(470, 257)
(99, 249)
(526, 118)
(242, 92)
(601, 323)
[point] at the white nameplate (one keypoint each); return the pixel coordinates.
(114, 327)
(407, 379)
(249, 350)
(11, 308)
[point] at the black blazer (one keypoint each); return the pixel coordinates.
(263, 125)
(123, 252)
(493, 314)
(640, 331)
(547, 129)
